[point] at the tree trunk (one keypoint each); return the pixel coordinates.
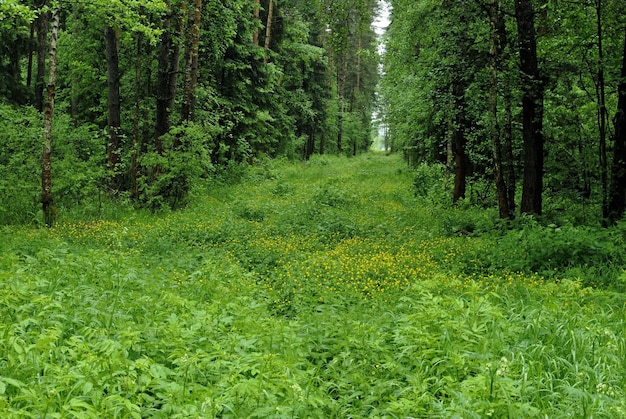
(168, 64)
(268, 29)
(342, 69)
(602, 113)
(47, 200)
(494, 128)
(137, 138)
(256, 14)
(42, 49)
(507, 129)
(532, 109)
(507, 150)
(114, 119)
(357, 91)
(617, 194)
(31, 49)
(459, 141)
(192, 46)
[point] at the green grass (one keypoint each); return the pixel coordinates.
(311, 290)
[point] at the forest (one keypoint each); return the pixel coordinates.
(273, 208)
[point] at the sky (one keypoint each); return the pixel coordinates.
(382, 21)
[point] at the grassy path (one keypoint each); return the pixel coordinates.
(313, 290)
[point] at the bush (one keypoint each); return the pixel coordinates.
(429, 183)
(593, 255)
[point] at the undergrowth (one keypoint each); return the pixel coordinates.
(319, 290)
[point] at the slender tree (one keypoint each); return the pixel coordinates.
(192, 46)
(617, 195)
(602, 112)
(268, 29)
(114, 117)
(532, 109)
(47, 199)
(42, 49)
(168, 65)
(494, 128)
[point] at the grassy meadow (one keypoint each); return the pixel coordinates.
(324, 289)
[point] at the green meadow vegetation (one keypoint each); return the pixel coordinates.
(336, 288)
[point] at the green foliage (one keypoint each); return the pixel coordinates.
(77, 165)
(429, 183)
(595, 256)
(170, 176)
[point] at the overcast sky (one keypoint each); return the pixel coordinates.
(382, 21)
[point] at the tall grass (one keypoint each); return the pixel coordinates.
(322, 289)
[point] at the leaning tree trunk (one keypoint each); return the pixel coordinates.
(47, 201)
(532, 109)
(114, 119)
(617, 194)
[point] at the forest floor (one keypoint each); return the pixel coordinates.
(308, 290)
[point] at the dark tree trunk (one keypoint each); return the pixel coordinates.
(507, 150)
(532, 109)
(137, 137)
(309, 147)
(114, 119)
(42, 49)
(31, 50)
(168, 63)
(342, 69)
(47, 200)
(459, 141)
(602, 113)
(192, 42)
(496, 55)
(508, 162)
(617, 194)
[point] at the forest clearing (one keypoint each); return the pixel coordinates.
(325, 289)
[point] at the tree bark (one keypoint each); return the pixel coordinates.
(137, 138)
(532, 109)
(256, 14)
(168, 64)
(114, 119)
(31, 50)
(268, 29)
(617, 194)
(459, 141)
(507, 129)
(496, 53)
(42, 49)
(342, 69)
(459, 86)
(357, 91)
(602, 113)
(192, 47)
(47, 200)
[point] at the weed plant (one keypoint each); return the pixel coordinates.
(324, 289)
